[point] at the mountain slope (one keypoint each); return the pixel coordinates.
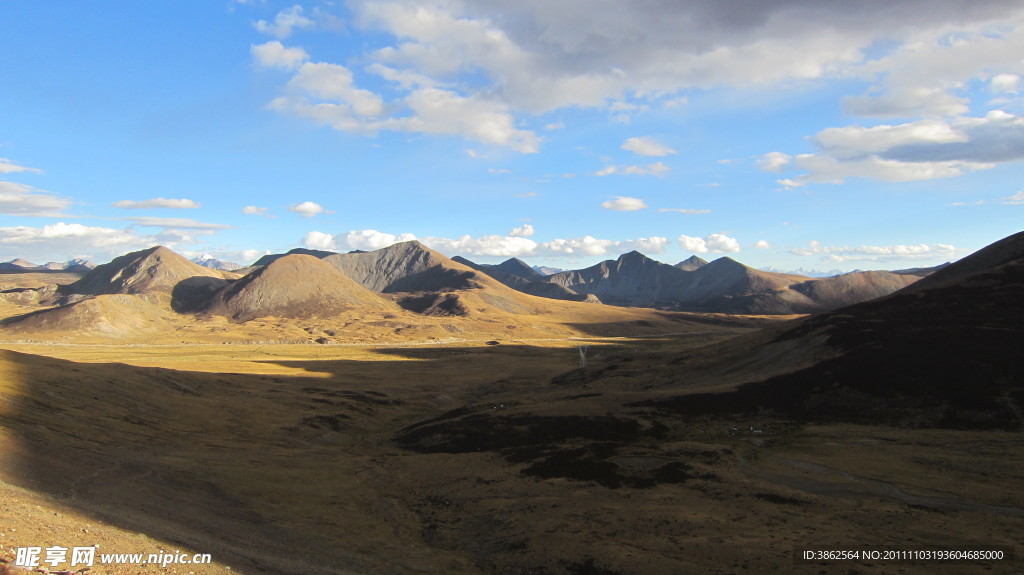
(632, 279)
(939, 353)
(691, 263)
(404, 267)
(294, 286)
(518, 282)
(154, 270)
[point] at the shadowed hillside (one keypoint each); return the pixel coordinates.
(942, 352)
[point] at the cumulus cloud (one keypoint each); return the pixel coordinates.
(66, 241)
(319, 241)
(273, 54)
(1005, 83)
(591, 246)
(307, 209)
(22, 200)
(502, 62)
(504, 246)
(540, 57)
(647, 146)
(286, 22)
(878, 253)
(773, 161)
(488, 245)
(624, 204)
(326, 94)
(9, 167)
(762, 245)
(172, 203)
(364, 240)
(925, 75)
(919, 150)
(522, 231)
(370, 240)
(719, 243)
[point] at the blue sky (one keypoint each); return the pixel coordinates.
(798, 134)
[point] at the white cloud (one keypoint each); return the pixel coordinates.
(684, 211)
(22, 200)
(1005, 83)
(256, 211)
(326, 94)
(762, 245)
(1015, 199)
(9, 167)
(655, 169)
(273, 54)
(286, 22)
(504, 246)
(527, 195)
(319, 241)
(624, 204)
(502, 61)
(62, 241)
(919, 150)
(522, 231)
(249, 256)
(719, 243)
(926, 74)
(370, 240)
(181, 223)
(591, 246)
(439, 111)
(491, 245)
(647, 146)
(405, 79)
(773, 161)
(878, 253)
(172, 203)
(498, 171)
(341, 103)
(307, 209)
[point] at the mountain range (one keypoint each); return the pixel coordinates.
(156, 292)
(721, 286)
(635, 280)
(21, 265)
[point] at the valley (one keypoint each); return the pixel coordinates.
(538, 436)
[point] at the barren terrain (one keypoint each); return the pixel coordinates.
(573, 439)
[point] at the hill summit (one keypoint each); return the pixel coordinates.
(296, 285)
(156, 270)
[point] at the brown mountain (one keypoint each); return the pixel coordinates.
(691, 263)
(106, 315)
(294, 286)
(519, 282)
(404, 267)
(723, 286)
(19, 264)
(156, 270)
(632, 280)
(943, 352)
